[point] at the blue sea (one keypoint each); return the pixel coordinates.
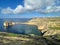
(19, 28)
(11, 19)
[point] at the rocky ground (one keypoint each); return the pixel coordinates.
(19, 39)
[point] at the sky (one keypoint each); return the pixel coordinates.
(29, 8)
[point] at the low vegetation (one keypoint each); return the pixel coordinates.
(55, 28)
(13, 39)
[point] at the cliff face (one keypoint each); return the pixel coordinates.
(51, 25)
(41, 23)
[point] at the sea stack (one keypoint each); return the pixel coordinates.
(7, 24)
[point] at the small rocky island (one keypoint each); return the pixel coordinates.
(7, 24)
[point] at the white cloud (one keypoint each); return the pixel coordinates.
(50, 9)
(44, 6)
(19, 9)
(33, 4)
(7, 11)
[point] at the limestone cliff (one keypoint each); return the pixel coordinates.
(51, 25)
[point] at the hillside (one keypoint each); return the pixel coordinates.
(19, 39)
(51, 25)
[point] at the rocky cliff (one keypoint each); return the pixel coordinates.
(51, 25)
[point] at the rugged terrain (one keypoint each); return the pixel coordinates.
(51, 25)
(19, 39)
(51, 37)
